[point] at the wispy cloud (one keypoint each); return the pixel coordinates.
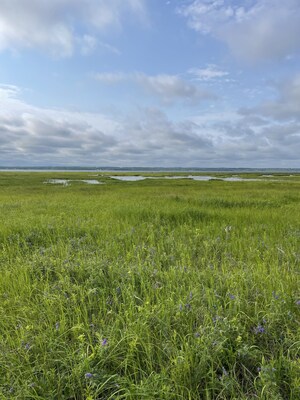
(111, 78)
(209, 73)
(87, 44)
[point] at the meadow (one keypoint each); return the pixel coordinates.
(158, 289)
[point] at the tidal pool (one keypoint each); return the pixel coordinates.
(66, 182)
(202, 177)
(134, 178)
(129, 178)
(91, 181)
(237, 179)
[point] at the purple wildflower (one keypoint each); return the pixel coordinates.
(259, 329)
(297, 302)
(88, 375)
(231, 296)
(57, 325)
(27, 346)
(104, 342)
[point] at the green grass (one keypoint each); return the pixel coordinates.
(158, 289)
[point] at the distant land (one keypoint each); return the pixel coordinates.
(148, 169)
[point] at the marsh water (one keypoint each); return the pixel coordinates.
(134, 178)
(66, 182)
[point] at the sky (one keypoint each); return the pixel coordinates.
(153, 83)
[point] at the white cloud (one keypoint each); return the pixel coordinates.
(171, 87)
(36, 136)
(32, 135)
(203, 15)
(285, 107)
(258, 30)
(9, 91)
(51, 25)
(210, 73)
(277, 122)
(168, 88)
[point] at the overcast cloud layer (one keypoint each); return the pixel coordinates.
(199, 83)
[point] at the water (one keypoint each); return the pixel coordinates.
(129, 178)
(202, 178)
(236, 179)
(66, 182)
(135, 178)
(91, 181)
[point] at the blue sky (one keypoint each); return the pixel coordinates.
(191, 83)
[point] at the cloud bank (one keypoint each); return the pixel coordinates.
(253, 137)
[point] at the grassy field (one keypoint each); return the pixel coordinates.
(159, 289)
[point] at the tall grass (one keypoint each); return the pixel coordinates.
(149, 290)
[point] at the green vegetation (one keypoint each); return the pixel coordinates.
(158, 289)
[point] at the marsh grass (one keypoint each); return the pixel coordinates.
(149, 290)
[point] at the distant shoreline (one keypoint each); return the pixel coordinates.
(148, 169)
